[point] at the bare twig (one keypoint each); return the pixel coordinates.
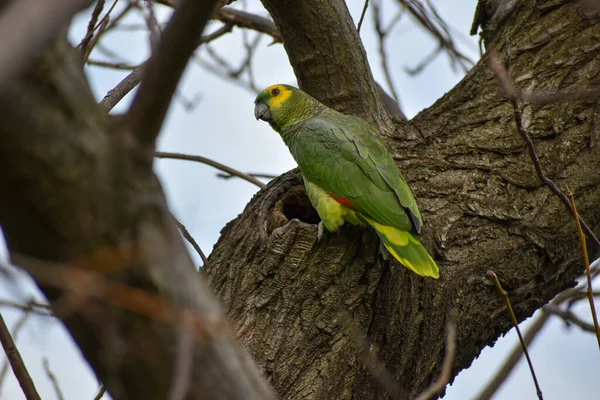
(362, 15)
(92, 43)
(586, 260)
(91, 25)
(514, 357)
(152, 24)
(429, 18)
(512, 360)
(115, 95)
(186, 234)
(419, 67)
(164, 69)
(100, 393)
(31, 306)
(256, 175)
(212, 163)
(15, 334)
(16, 363)
(569, 317)
(444, 377)
(112, 65)
(504, 294)
(513, 96)
(94, 26)
(115, 21)
(53, 379)
(381, 35)
(246, 20)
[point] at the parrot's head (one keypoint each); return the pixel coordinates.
(278, 105)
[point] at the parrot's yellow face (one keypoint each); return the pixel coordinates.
(269, 101)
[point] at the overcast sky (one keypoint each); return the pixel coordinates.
(222, 127)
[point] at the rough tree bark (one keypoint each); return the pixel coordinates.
(308, 310)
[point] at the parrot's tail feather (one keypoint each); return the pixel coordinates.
(407, 249)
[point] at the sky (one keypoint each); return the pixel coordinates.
(222, 126)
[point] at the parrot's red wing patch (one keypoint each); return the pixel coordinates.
(343, 201)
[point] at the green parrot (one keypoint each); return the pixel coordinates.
(348, 172)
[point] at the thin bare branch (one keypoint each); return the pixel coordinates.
(381, 36)
(94, 41)
(15, 334)
(16, 363)
(154, 30)
(116, 20)
(429, 18)
(445, 375)
(253, 174)
(504, 294)
(53, 379)
(534, 329)
(569, 317)
(112, 65)
(115, 95)
(246, 20)
(362, 15)
(164, 69)
(586, 260)
(186, 234)
(92, 25)
(100, 393)
(212, 163)
(425, 62)
(31, 306)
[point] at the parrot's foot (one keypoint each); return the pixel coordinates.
(320, 231)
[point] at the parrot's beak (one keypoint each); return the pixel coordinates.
(262, 111)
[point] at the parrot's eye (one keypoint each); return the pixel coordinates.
(275, 92)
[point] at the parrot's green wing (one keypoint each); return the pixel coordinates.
(344, 156)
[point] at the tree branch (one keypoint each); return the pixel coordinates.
(212, 163)
(16, 363)
(164, 69)
(115, 95)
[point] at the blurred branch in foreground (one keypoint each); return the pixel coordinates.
(16, 362)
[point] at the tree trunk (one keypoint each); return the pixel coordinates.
(316, 315)
(84, 214)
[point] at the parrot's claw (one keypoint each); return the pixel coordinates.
(320, 230)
